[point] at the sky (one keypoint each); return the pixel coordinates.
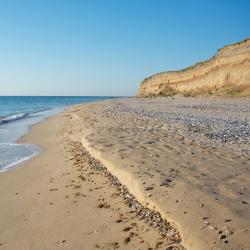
(107, 47)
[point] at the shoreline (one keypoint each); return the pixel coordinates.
(26, 126)
(54, 202)
(19, 113)
(135, 148)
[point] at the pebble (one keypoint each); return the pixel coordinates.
(206, 222)
(222, 237)
(228, 232)
(205, 218)
(220, 121)
(212, 228)
(152, 217)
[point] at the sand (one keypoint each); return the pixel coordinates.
(161, 150)
(200, 183)
(56, 201)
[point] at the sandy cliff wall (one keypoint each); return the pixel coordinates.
(228, 72)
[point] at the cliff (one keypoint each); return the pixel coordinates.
(227, 73)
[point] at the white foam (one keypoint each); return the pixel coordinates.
(3, 131)
(13, 118)
(12, 154)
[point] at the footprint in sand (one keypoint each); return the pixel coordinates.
(128, 238)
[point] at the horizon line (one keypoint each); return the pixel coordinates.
(64, 96)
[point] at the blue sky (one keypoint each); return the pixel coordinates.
(107, 47)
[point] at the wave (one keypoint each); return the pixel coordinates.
(3, 131)
(12, 118)
(12, 154)
(15, 117)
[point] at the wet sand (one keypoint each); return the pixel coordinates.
(59, 201)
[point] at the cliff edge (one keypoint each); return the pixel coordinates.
(226, 73)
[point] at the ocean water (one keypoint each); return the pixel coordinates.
(18, 113)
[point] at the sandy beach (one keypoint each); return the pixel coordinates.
(162, 173)
(187, 158)
(57, 201)
(125, 125)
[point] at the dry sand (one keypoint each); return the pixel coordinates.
(198, 180)
(57, 201)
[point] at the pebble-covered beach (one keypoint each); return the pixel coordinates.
(218, 122)
(185, 158)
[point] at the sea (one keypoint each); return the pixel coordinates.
(19, 113)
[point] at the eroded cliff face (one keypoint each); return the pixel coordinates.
(227, 73)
